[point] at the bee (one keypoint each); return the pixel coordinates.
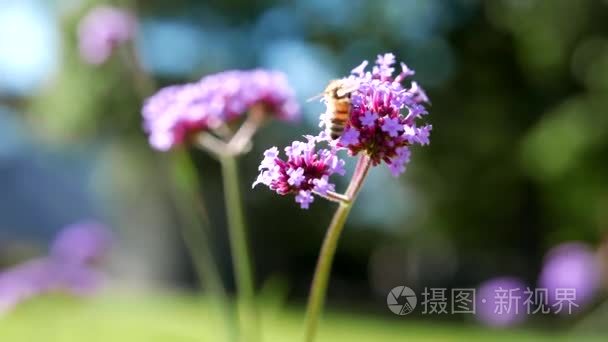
(337, 99)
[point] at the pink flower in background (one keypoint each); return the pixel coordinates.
(176, 112)
(68, 267)
(571, 265)
(102, 30)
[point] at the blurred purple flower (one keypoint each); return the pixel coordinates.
(176, 112)
(67, 268)
(500, 302)
(102, 30)
(23, 282)
(571, 265)
(306, 170)
(377, 126)
(82, 243)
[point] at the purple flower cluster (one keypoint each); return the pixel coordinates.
(102, 30)
(305, 171)
(384, 114)
(376, 127)
(68, 267)
(176, 112)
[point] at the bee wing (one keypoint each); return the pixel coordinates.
(318, 96)
(347, 88)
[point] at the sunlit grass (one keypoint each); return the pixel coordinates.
(183, 318)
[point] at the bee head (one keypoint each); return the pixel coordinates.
(336, 89)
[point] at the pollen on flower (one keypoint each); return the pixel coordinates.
(384, 113)
(177, 112)
(304, 172)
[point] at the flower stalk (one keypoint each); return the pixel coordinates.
(226, 153)
(239, 249)
(194, 219)
(201, 113)
(320, 281)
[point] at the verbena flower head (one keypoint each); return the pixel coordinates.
(305, 171)
(102, 30)
(176, 112)
(384, 114)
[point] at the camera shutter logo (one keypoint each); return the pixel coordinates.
(401, 300)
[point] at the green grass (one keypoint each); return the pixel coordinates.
(183, 318)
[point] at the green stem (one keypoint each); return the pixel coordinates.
(320, 281)
(193, 229)
(240, 251)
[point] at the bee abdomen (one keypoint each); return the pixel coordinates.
(336, 128)
(336, 132)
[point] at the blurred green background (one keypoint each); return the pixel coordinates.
(517, 162)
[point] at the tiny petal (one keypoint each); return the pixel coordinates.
(398, 164)
(296, 177)
(369, 119)
(337, 166)
(304, 198)
(360, 69)
(270, 156)
(349, 137)
(417, 135)
(265, 177)
(385, 60)
(418, 93)
(406, 71)
(424, 134)
(392, 126)
(322, 185)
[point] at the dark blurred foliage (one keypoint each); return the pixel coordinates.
(517, 156)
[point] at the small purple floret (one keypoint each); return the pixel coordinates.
(306, 170)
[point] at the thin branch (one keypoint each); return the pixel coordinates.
(334, 197)
(243, 136)
(211, 144)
